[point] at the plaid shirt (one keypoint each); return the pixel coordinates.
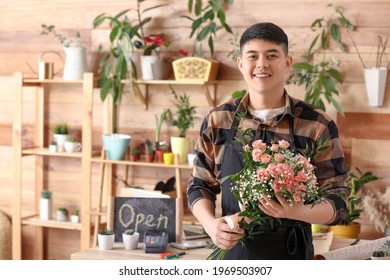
(310, 124)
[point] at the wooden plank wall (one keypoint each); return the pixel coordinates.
(364, 129)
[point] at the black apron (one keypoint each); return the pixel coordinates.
(290, 240)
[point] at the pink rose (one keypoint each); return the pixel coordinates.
(279, 157)
(272, 170)
(256, 155)
(284, 144)
(265, 158)
(262, 175)
(274, 147)
(301, 177)
(258, 144)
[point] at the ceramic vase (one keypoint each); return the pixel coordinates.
(75, 63)
(45, 206)
(375, 80)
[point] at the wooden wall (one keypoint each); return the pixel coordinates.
(364, 129)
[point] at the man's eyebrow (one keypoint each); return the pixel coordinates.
(268, 51)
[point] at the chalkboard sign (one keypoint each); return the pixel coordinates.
(141, 214)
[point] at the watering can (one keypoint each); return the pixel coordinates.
(46, 69)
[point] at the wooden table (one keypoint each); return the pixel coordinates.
(118, 252)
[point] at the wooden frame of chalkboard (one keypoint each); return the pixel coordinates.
(146, 213)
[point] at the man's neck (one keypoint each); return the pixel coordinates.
(261, 101)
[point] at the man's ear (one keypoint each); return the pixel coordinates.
(289, 61)
(239, 62)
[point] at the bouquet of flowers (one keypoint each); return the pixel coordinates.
(269, 170)
(152, 43)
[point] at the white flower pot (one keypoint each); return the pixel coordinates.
(61, 139)
(62, 216)
(375, 80)
(75, 219)
(146, 66)
(75, 63)
(130, 242)
(106, 242)
(45, 206)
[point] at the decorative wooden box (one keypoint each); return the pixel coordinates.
(195, 68)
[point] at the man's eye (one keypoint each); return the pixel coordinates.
(252, 57)
(272, 56)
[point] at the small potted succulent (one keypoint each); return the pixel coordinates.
(75, 217)
(106, 239)
(53, 146)
(149, 151)
(45, 205)
(62, 214)
(61, 135)
(130, 239)
(135, 154)
(383, 253)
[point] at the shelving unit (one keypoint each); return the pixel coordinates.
(40, 152)
(211, 96)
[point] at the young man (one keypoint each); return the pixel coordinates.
(272, 115)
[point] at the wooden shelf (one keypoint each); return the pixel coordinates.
(35, 221)
(46, 152)
(142, 163)
(211, 98)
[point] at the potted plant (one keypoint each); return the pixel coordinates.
(383, 253)
(76, 61)
(160, 146)
(375, 77)
(62, 214)
(53, 146)
(71, 145)
(116, 145)
(106, 239)
(75, 217)
(206, 20)
(61, 135)
(130, 239)
(117, 64)
(183, 120)
(45, 205)
(347, 227)
(318, 71)
(149, 151)
(135, 154)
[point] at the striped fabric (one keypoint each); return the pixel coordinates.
(310, 124)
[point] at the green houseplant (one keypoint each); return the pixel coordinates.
(383, 253)
(183, 120)
(149, 151)
(117, 65)
(61, 135)
(106, 239)
(205, 25)
(206, 21)
(317, 72)
(356, 183)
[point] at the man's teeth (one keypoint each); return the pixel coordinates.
(262, 75)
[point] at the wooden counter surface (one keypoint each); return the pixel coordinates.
(118, 253)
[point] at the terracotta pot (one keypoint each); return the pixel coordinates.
(159, 156)
(149, 157)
